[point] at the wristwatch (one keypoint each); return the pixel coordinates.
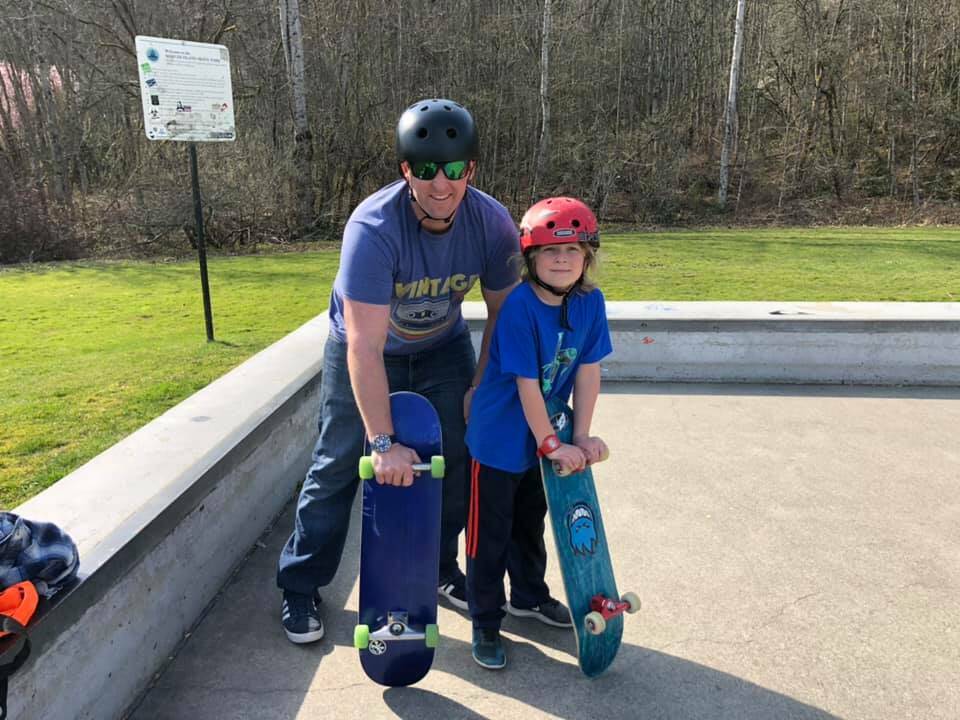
(381, 443)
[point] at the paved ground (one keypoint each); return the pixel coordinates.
(797, 550)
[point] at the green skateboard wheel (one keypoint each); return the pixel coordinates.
(361, 637)
(366, 468)
(433, 636)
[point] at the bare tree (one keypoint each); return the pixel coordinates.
(730, 112)
(543, 147)
(292, 31)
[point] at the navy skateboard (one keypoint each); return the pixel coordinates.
(595, 606)
(396, 631)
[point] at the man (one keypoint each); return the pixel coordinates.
(411, 252)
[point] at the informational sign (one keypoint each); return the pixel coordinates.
(186, 90)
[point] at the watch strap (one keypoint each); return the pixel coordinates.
(550, 443)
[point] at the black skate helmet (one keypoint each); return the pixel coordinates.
(436, 130)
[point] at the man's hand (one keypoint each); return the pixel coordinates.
(395, 466)
(568, 459)
(594, 449)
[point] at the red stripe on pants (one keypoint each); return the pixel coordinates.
(473, 520)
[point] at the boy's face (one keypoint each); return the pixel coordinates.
(559, 265)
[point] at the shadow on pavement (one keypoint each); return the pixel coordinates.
(640, 684)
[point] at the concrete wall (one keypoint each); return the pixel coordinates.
(163, 517)
(759, 342)
(161, 520)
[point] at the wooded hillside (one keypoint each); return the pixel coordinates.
(847, 111)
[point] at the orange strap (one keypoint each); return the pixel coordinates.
(19, 602)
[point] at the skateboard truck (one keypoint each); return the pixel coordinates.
(396, 628)
(603, 608)
(436, 467)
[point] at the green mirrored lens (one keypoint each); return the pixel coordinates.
(425, 170)
(455, 169)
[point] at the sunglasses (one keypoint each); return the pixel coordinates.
(427, 170)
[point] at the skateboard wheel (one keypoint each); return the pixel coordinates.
(361, 637)
(632, 600)
(438, 466)
(366, 468)
(433, 635)
(594, 623)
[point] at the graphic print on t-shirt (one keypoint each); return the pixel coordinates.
(553, 372)
(424, 308)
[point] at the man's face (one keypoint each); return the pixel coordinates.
(439, 197)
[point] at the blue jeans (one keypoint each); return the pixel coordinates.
(312, 554)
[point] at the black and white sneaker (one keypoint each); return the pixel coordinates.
(550, 611)
(301, 617)
(455, 591)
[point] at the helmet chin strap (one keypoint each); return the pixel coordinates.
(564, 319)
(427, 215)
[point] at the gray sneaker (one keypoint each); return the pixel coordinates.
(550, 611)
(301, 617)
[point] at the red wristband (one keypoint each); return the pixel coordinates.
(549, 444)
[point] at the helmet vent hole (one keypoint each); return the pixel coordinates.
(424, 108)
(451, 133)
(551, 225)
(447, 108)
(422, 133)
(575, 223)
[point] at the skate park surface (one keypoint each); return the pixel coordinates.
(795, 550)
(788, 514)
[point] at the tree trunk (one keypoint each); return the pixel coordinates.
(291, 27)
(730, 115)
(543, 148)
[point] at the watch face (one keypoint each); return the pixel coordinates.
(380, 443)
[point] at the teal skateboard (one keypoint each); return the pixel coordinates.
(595, 606)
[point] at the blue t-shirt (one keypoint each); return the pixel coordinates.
(387, 259)
(529, 342)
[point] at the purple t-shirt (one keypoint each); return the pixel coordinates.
(387, 259)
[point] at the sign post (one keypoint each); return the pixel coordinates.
(188, 97)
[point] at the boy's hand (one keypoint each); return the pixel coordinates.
(467, 401)
(594, 449)
(568, 459)
(395, 466)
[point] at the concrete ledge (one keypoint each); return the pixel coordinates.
(764, 342)
(163, 517)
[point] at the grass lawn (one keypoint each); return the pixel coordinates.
(860, 264)
(89, 352)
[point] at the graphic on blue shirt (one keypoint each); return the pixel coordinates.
(422, 308)
(583, 532)
(556, 369)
